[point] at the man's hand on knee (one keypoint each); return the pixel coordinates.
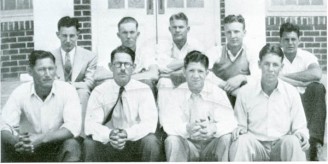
(237, 132)
(304, 141)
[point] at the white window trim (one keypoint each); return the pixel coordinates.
(17, 15)
(296, 10)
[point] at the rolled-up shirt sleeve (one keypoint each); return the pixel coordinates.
(72, 112)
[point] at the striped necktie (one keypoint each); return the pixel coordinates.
(68, 68)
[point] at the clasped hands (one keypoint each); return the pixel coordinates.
(28, 142)
(201, 129)
(118, 138)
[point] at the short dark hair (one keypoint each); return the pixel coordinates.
(68, 22)
(196, 56)
(122, 49)
(39, 54)
(235, 18)
(179, 16)
(289, 27)
(271, 48)
(127, 20)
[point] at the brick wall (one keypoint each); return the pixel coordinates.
(313, 36)
(222, 15)
(82, 11)
(16, 44)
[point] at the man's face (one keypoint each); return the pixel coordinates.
(195, 74)
(289, 42)
(122, 68)
(270, 65)
(68, 37)
(43, 73)
(179, 29)
(128, 33)
(235, 33)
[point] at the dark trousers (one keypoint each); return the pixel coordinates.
(146, 149)
(315, 111)
(66, 151)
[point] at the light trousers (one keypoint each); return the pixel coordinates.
(179, 149)
(248, 148)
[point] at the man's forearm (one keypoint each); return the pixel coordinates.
(174, 65)
(309, 75)
(58, 135)
(8, 137)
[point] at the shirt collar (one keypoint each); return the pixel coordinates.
(53, 89)
(203, 94)
(259, 89)
(71, 53)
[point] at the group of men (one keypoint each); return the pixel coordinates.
(223, 104)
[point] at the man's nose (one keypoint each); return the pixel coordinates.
(68, 39)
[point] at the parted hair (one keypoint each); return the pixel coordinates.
(179, 16)
(68, 22)
(122, 49)
(235, 18)
(273, 49)
(127, 20)
(289, 27)
(196, 56)
(39, 54)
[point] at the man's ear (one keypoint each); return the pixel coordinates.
(188, 28)
(30, 71)
(58, 34)
(110, 66)
(118, 35)
(138, 33)
(259, 64)
(184, 71)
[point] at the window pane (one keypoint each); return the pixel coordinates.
(23, 4)
(116, 4)
(10, 5)
(291, 2)
(277, 2)
(304, 2)
(317, 2)
(136, 4)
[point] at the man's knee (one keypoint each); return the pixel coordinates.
(290, 141)
(225, 140)
(173, 140)
(72, 145)
(83, 94)
(151, 140)
(315, 88)
(164, 83)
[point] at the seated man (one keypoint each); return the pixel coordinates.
(302, 70)
(121, 116)
(170, 56)
(271, 120)
(198, 118)
(75, 64)
(234, 63)
(41, 117)
(146, 69)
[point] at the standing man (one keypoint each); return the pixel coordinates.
(170, 57)
(122, 116)
(271, 119)
(198, 118)
(75, 65)
(41, 117)
(233, 63)
(146, 69)
(302, 70)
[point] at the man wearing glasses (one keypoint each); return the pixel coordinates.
(121, 117)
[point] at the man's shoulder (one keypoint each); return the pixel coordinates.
(304, 54)
(85, 52)
(23, 88)
(135, 84)
(63, 86)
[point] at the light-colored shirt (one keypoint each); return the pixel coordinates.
(71, 55)
(145, 57)
(214, 103)
(301, 62)
(168, 52)
(214, 55)
(138, 104)
(269, 118)
(61, 109)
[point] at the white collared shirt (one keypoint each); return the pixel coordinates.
(139, 104)
(301, 62)
(215, 105)
(269, 118)
(168, 52)
(61, 109)
(71, 55)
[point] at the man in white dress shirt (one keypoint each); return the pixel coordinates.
(41, 117)
(198, 118)
(271, 119)
(121, 116)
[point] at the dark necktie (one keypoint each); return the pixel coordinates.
(68, 68)
(119, 98)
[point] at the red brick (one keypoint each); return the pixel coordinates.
(4, 34)
(87, 37)
(323, 33)
(81, 7)
(309, 50)
(24, 39)
(29, 32)
(275, 33)
(85, 31)
(30, 44)
(24, 50)
(17, 57)
(86, 13)
(4, 46)
(324, 45)
(77, 13)
(23, 62)
(301, 45)
(321, 39)
(312, 44)
(4, 70)
(320, 27)
(272, 39)
(9, 52)
(8, 40)
(320, 51)
(273, 28)
(268, 33)
(17, 45)
(84, 43)
(9, 63)
(307, 39)
(84, 19)
(4, 58)
(311, 33)
(16, 33)
(17, 69)
(10, 75)
(77, 1)
(306, 27)
(86, 1)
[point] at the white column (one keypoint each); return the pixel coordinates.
(46, 16)
(254, 13)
